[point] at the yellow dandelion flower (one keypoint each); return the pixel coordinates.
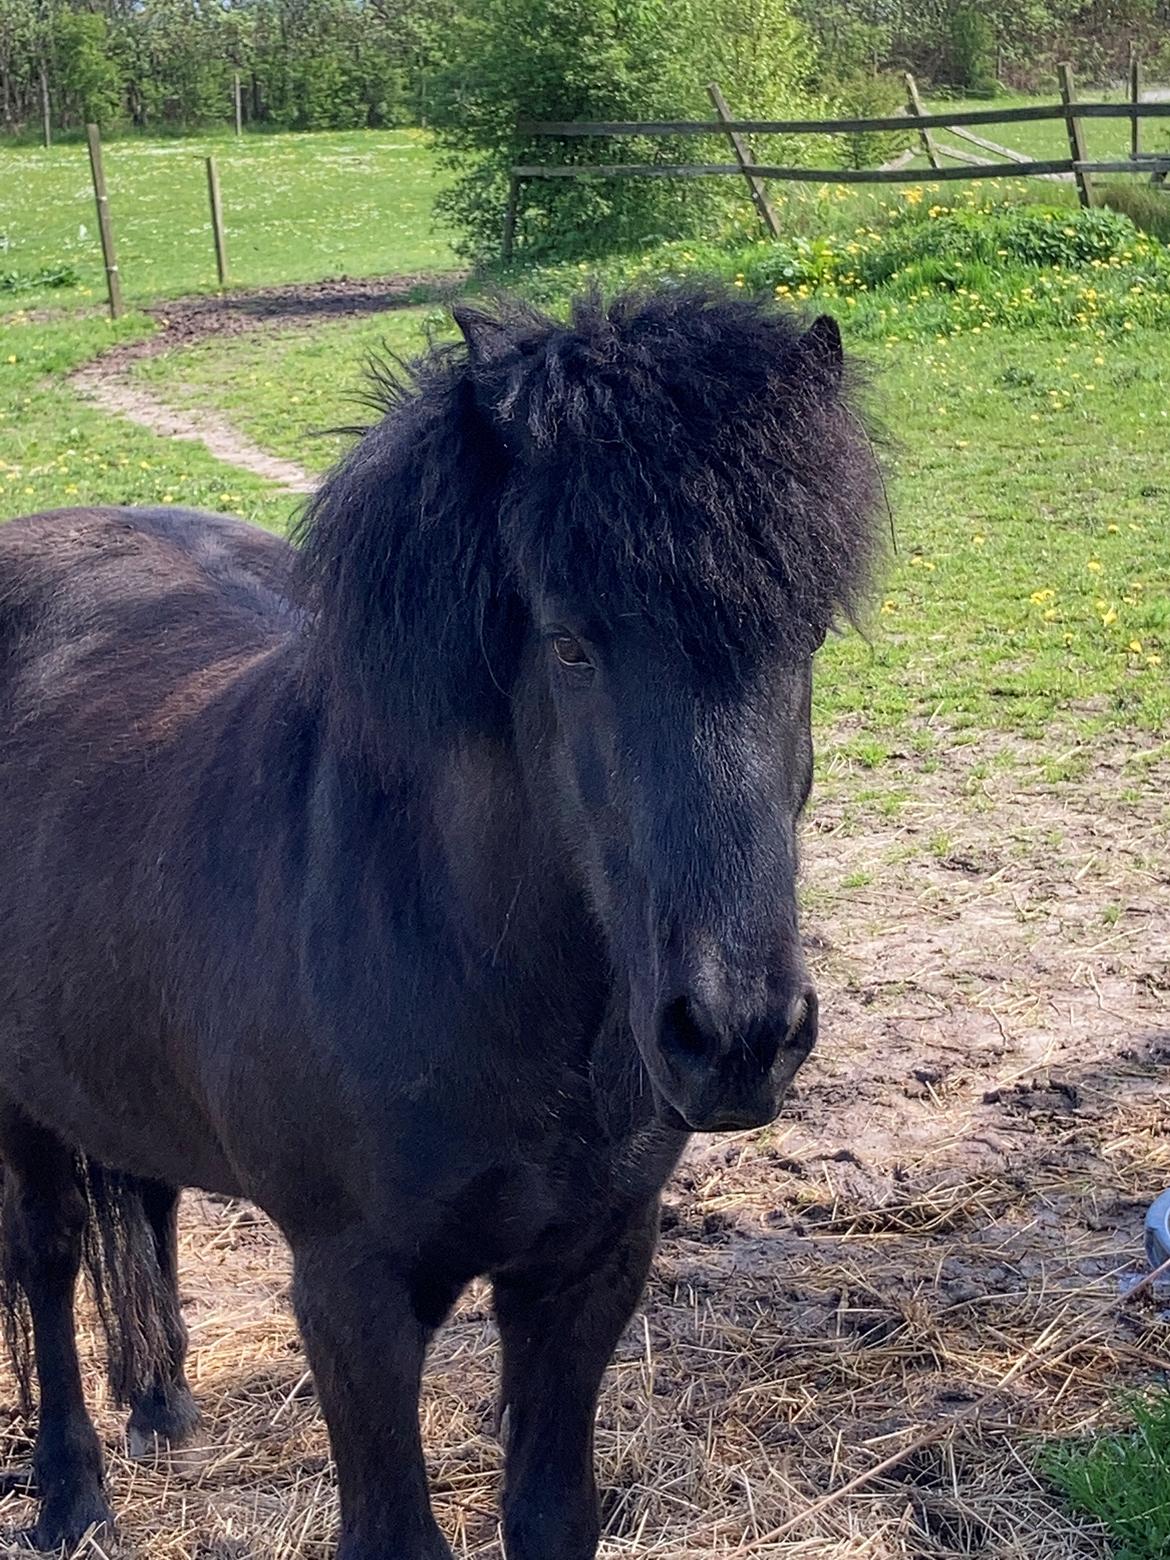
(1039, 597)
(1135, 645)
(1094, 566)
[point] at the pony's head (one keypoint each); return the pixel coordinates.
(617, 544)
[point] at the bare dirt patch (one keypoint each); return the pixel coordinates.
(107, 381)
(918, 1265)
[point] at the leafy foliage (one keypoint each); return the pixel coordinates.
(968, 43)
(973, 49)
(865, 95)
(32, 281)
(596, 60)
(939, 272)
(304, 64)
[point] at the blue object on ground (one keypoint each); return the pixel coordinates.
(1158, 1231)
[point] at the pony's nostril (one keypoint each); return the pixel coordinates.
(681, 1035)
(802, 1021)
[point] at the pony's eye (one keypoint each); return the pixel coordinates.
(568, 652)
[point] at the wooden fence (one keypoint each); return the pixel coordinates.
(1077, 165)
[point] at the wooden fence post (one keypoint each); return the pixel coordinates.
(746, 161)
(46, 116)
(915, 107)
(239, 104)
(1135, 97)
(510, 220)
(105, 227)
(217, 221)
(1076, 139)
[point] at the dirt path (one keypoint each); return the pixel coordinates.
(115, 391)
(108, 380)
(936, 1226)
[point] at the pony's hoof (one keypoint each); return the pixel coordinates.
(157, 1426)
(64, 1527)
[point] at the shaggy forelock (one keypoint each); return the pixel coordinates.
(689, 463)
(684, 462)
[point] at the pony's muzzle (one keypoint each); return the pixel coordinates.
(724, 1077)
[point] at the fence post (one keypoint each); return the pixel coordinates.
(239, 103)
(105, 226)
(1135, 97)
(46, 116)
(217, 221)
(746, 161)
(1076, 139)
(915, 107)
(510, 219)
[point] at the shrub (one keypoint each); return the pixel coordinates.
(593, 59)
(869, 96)
(1020, 235)
(973, 50)
(937, 273)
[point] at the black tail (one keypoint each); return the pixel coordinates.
(129, 1291)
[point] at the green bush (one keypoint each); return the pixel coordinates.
(932, 273)
(513, 60)
(81, 47)
(865, 95)
(1021, 235)
(1123, 1480)
(973, 50)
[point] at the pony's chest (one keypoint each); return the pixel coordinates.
(556, 1208)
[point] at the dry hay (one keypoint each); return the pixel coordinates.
(863, 1321)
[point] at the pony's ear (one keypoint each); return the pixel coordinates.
(485, 336)
(488, 341)
(821, 351)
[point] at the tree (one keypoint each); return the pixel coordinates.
(511, 60)
(85, 78)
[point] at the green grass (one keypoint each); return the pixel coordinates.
(297, 208)
(283, 391)
(1124, 1481)
(1048, 138)
(55, 450)
(1030, 483)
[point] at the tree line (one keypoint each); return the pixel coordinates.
(173, 64)
(340, 64)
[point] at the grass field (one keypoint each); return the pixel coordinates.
(929, 1244)
(297, 207)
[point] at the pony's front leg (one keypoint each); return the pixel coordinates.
(559, 1329)
(366, 1340)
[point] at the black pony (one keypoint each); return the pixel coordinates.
(426, 886)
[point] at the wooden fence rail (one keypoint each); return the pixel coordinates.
(1029, 114)
(1077, 165)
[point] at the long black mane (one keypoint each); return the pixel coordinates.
(695, 459)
